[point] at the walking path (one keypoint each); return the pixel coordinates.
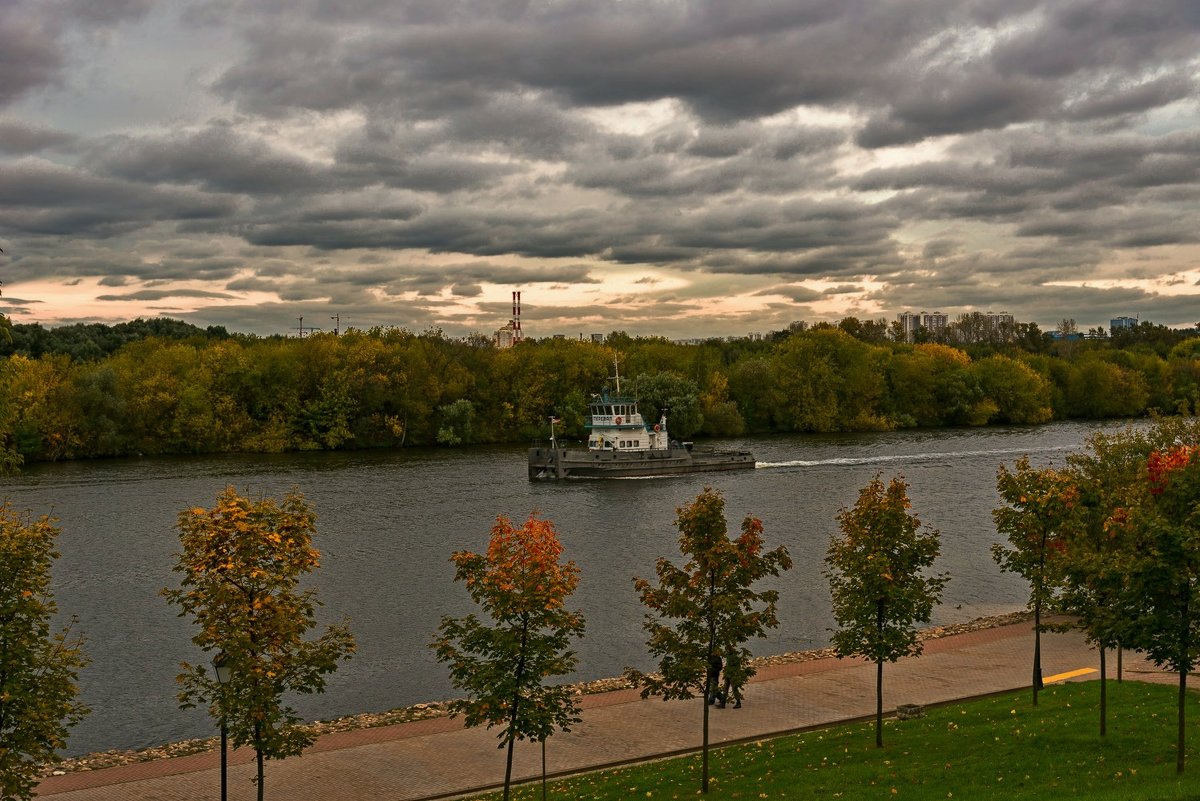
(439, 758)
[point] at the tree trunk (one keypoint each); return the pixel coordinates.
(1103, 692)
(1184, 665)
(709, 679)
(258, 755)
(1182, 707)
(1037, 650)
(512, 715)
(543, 769)
(879, 681)
(1038, 590)
(1120, 653)
(879, 703)
(704, 758)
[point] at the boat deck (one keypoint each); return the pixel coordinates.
(556, 463)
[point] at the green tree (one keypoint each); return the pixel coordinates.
(1021, 395)
(678, 396)
(708, 607)
(521, 585)
(1097, 389)
(1041, 504)
(458, 423)
(1098, 544)
(241, 566)
(1165, 572)
(38, 670)
(876, 580)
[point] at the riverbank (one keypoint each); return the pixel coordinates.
(438, 709)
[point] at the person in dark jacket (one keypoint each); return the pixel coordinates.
(716, 695)
(734, 679)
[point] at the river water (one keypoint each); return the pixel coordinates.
(388, 522)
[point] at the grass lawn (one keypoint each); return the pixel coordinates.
(999, 747)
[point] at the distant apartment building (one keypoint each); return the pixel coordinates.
(999, 321)
(1118, 323)
(598, 339)
(911, 323)
(934, 322)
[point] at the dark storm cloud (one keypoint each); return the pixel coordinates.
(159, 294)
(33, 53)
(1079, 35)
(795, 293)
(30, 55)
(347, 148)
(20, 140)
(40, 197)
(218, 159)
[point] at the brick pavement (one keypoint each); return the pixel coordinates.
(438, 758)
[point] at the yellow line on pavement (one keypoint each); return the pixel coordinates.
(1070, 674)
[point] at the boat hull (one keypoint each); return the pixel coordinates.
(556, 463)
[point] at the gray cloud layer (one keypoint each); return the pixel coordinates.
(401, 155)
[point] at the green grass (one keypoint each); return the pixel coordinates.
(1000, 747)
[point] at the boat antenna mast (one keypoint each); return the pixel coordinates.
(617, 374)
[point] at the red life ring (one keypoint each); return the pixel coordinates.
(617, 421)
(656, 426)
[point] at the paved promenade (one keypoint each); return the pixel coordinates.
(439, 758)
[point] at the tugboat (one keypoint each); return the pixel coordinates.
(620, 445)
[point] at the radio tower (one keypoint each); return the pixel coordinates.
(517, 336)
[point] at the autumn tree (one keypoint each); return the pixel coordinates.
(1164, 573)
(521, 585)
(1040, 505)
(38, 669)
(241, 566)
(707, 607)
(1098, 543)
(876, 576)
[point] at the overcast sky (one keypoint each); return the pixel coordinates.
(658, 166)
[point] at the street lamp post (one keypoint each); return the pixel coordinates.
(220, 665)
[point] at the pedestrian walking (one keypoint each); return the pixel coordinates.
(735, 679)
(713, 685)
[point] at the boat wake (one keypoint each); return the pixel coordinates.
(909, 458)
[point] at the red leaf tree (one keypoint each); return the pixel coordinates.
(521, 585)
(1165, 569)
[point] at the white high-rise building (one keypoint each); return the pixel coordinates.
(934, 322)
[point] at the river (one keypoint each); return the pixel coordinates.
(388, 522)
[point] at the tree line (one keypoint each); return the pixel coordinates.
(1111, 538)
(173, 389)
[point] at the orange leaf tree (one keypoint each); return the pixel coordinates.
(38, 669)
(876, 580)
(523, 587)
(1042, 504)
(1164, 573)
(707, 607)
(241, 565)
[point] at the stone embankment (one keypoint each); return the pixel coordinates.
(108, 759)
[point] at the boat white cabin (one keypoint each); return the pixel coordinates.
(616, 425)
